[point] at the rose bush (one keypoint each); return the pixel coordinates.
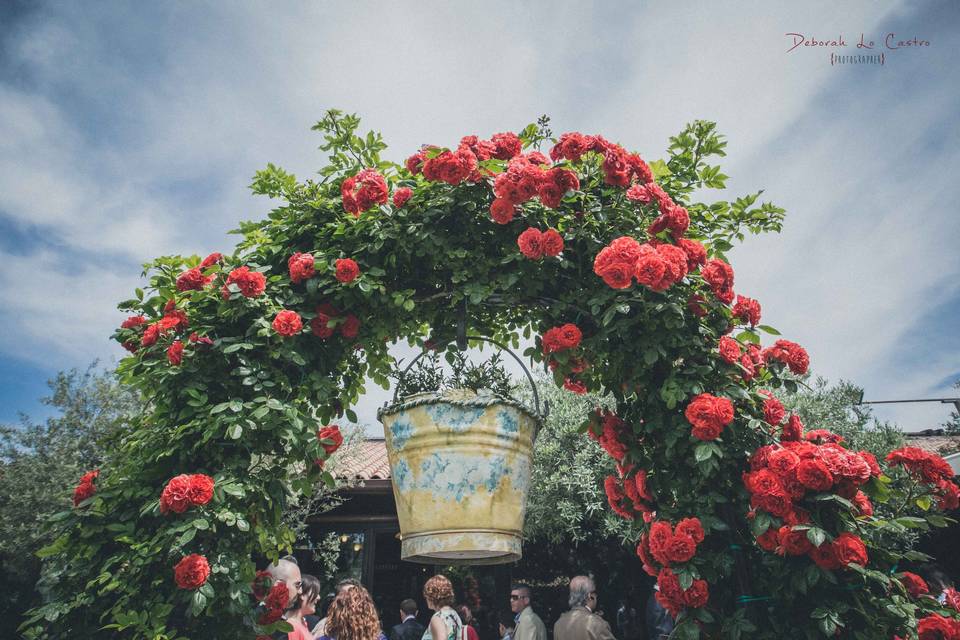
(753, 525)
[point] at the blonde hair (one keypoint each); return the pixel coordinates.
(439, 591)
(353, 616)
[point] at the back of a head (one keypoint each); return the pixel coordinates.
(353, 616)
(580, 589)
(409, 607)
(346, 584)
(439, 590)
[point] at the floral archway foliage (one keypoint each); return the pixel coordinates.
(754, 524)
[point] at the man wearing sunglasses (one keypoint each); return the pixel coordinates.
(582, 622)
(529, 624)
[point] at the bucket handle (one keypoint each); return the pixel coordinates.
(541, 413)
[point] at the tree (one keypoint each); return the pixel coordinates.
(836, 407)
(39, 466)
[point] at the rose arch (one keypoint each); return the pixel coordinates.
(754, 525)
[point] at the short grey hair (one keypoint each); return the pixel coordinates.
(580, 589)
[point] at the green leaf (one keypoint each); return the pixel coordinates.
(816, 536)
(768, 329)
(703, 451)
(234, 432)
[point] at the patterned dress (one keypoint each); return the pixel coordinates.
(452, 622)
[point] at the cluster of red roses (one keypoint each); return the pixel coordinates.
(185, 491)
(565, 338)
(656, 265)
(330, 433)
(526, 178)
(782, 475)
(619, 167)
(289, 323)
(665, 545)
(191, 572)
(85, 489)
(453, 167)
(750, 358)
(272, 598)
(613, 432)
(535, 244)
(349, 324)
(930, 469)
(627, 492)
(709, 414)
(195, 278)
(937, 627)
(362, 191)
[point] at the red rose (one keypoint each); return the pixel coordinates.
(669, 595)
(347, 270)
(914, 584)
(90, 476)
(332, 433)
(695, 252)
(501, 211)
(610, 437)
(362, 191)
(948, 495)
(569, 336)
(650, 270)
(301, 267)
(697, 595)
(274, 604)
(83, 491)
(150, 335)
(773, 411)
(814, 474)
(176, 495)
(768, 540)
(531, 243)
(287, 323)
(617, 275)
(782, 461)
(762, 482)
(133, 321)
(848, 549)
(191, 572)
(719, 275)
(952, 598)
(747, 310)
(210, 260)
(616, 497)
(862, 504)
(175, 353)
(709, 415)
(571, 146)
(192, 279)
(936, 627)
(552, 243)
(350, 326)
(729, 350)
(250, 283)
(575, 386)
(660, 535)
(175, 319)
(196, 338)
(680, 548)
(691, 527)
(825, 557)
(200, 489)
(792, 430)
(793, 542)
(790, 353)
(401, 195)
(506, 145)
(318, 325)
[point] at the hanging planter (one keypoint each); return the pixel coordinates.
(460, 462)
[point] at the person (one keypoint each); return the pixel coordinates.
(409, 628)
(445, 624)
(659, 621)
(506, 625)
(287, 571)
(468, 620)
(353, 616)
(309, 592)
(319, 629)
(582, 622)
(529, 625)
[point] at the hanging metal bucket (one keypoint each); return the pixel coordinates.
(460, 464)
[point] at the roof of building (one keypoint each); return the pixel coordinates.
(367, 461)
(935, 441)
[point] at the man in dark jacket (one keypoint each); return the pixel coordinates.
(409, 628)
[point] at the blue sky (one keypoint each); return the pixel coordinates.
(131, 130)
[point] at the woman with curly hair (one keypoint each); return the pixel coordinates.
(445, 623)
(353, 616)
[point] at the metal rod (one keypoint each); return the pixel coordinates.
(941, 400)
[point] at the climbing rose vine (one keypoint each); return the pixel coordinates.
(753, 524)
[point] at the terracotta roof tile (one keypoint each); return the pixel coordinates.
(939, 444)
(367, 461)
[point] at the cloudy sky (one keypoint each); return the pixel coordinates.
(131, 130)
